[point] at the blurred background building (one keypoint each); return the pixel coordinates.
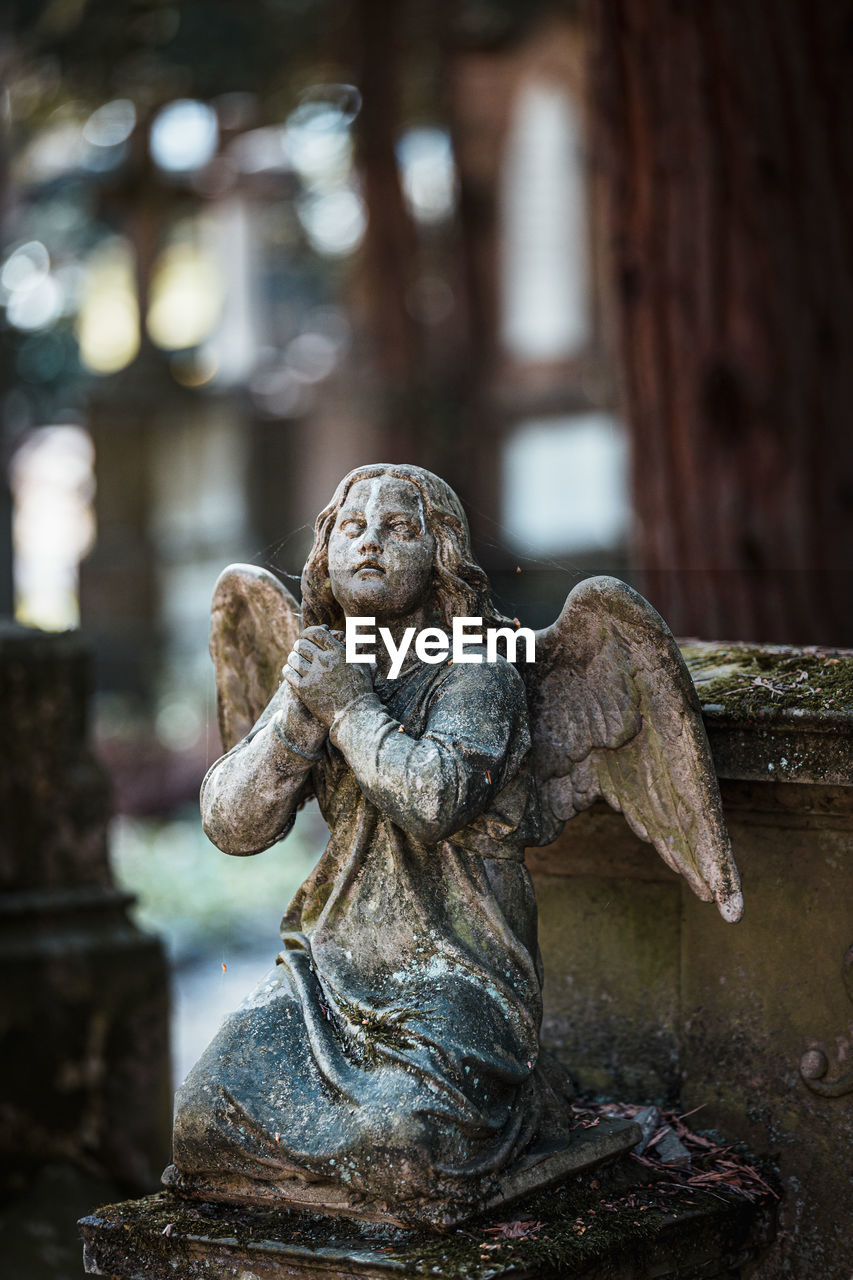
(589, 262)
(245, 248)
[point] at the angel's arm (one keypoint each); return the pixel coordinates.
(437, 783)
(250, 795)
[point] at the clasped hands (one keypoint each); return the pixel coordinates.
(323, 680)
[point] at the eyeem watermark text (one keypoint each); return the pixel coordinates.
(433, 645)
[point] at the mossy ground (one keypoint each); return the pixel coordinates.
(580, 1222)
(745, 679)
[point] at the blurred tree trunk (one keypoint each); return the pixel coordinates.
(431, 401)
(390, 245)
(480, 91)
(726, 137)
(7, 602)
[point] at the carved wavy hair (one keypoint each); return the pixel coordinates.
(460, 587)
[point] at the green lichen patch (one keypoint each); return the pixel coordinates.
(368, 1035)
(745, 680)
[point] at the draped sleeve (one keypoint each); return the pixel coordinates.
(433, 785)
(250, 795)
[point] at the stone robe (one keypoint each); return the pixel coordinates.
(393, 1049)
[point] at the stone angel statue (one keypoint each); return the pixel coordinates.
(392, 1055)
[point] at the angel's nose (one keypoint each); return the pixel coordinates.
(370, 540)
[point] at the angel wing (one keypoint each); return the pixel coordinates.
(614, 714)
(254, 623)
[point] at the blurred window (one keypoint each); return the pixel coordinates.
(107, 325)
(53, 487)
(186, 294)
(545, 269)
(231, 351)
(428, 173)
(565, 485)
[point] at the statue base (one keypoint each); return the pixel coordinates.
(549, 1161)
(622, 1222)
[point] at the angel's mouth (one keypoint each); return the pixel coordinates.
(369, 567)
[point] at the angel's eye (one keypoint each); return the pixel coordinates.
(404, 528)
(352, 526)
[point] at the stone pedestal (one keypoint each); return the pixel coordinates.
(84, 1067)
(611, 1227)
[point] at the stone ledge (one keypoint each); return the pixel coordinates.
(775, 712)
(568, 1231)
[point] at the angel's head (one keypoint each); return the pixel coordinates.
(422, 526)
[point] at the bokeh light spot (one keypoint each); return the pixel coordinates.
(52, 478)
(334, 222)
(319, 145)
(36, 307)
(312, 356)
(108, 321)
(34, 298)
(184, 136)
(425, 157)
(186, 298)
(343, 99)
(112, 124)
(25, 266)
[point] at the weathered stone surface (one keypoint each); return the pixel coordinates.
(604, 1231)
(84, 1066)
(741, 1006)
(54, 796)
(548, 1161)
(611, 957)
(648, 1118)
(671, 1150)
(774, 712)
(750, 1012)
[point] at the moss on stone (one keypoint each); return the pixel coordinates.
(619, 1214)
(747, 679)
(368, 1034)
(576, 1229)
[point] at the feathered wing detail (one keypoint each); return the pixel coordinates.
(254, 623)
(614, 714)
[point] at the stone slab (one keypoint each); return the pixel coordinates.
(775, 713)
(605, 1227)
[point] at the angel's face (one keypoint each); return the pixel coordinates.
(381, 550)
